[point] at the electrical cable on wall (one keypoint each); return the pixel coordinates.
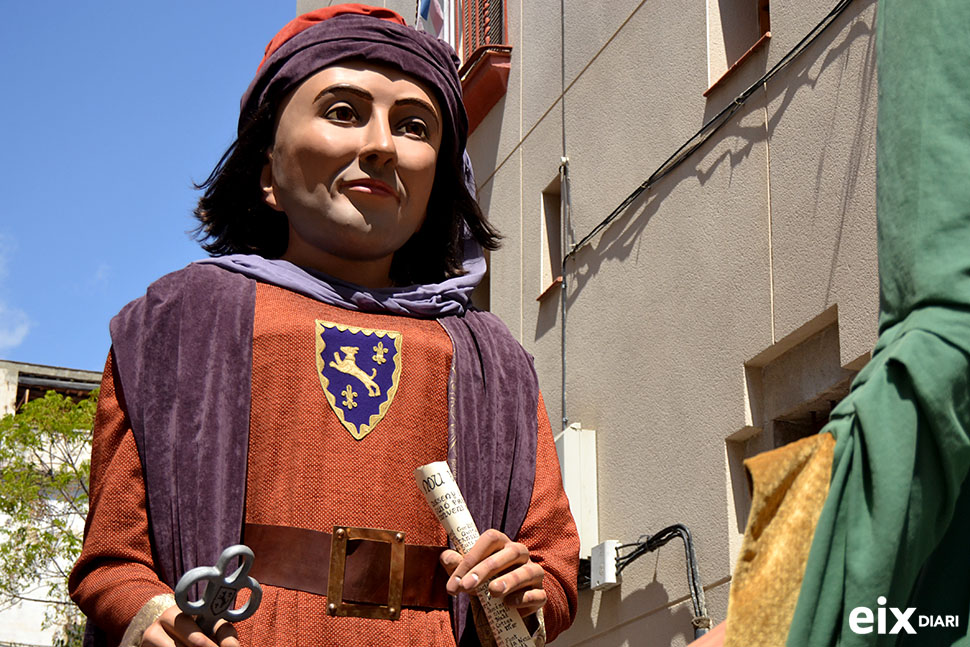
(697, 140)
(648, 543)
(623, 555)
(708, 129)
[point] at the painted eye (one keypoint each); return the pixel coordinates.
(415, 128)
(341, 112)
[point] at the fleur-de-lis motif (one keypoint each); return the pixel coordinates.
(379, 352)
(349, 396)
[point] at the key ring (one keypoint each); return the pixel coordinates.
(220, 590)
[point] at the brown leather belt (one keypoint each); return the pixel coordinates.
(378, 578)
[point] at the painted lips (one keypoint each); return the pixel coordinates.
(372, 187)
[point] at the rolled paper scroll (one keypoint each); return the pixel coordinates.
(438, 485)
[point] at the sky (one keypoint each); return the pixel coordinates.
(110, 110)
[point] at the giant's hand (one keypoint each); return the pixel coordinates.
(176, 629)
(520, 581)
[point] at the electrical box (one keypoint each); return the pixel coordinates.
(602, 566)
(577, 461)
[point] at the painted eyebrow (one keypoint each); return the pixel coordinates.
(421, 103)
(344, 87)
(364, 94)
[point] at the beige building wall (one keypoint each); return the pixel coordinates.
(728, 307)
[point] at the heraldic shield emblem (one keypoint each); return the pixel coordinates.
(359, 370)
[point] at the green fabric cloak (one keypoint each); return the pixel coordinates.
(896, 522)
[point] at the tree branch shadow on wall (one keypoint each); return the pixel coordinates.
(624, 236)
(805, 72)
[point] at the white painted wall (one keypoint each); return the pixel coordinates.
(22, 624)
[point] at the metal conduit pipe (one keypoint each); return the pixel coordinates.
(564, 208)
(565, 204)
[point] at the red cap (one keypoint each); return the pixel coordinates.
(311, 18)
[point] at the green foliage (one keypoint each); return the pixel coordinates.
(72, 636)
(44, 470)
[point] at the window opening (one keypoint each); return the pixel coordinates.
(791, 388)
(551, 222)
(466, 25)
(482, 294)
(734, 28)
(483, 24)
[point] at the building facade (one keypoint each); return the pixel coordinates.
(711, 306)
(724, 311)
(22, 624)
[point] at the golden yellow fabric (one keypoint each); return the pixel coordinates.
(790, 487)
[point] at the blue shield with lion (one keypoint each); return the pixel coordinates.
(359, 370)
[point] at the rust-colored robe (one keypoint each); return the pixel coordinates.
(305, 470)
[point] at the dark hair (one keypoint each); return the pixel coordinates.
(234, 219)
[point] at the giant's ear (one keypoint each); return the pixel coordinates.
(268, 184)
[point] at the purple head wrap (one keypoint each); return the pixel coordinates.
(360, 36)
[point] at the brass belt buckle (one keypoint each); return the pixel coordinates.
(338, 562)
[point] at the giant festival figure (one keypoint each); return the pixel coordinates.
(282, 392)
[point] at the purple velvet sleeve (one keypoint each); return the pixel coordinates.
(184, 354)
(494, 428)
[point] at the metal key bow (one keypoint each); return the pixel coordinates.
(220, 590)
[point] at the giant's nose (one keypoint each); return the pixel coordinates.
(378, 147)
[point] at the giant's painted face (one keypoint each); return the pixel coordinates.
(352, 167)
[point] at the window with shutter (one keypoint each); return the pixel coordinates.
(477, 29)
(483, 24)
(486, 56)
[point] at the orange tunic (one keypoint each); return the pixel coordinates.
(306, 470)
